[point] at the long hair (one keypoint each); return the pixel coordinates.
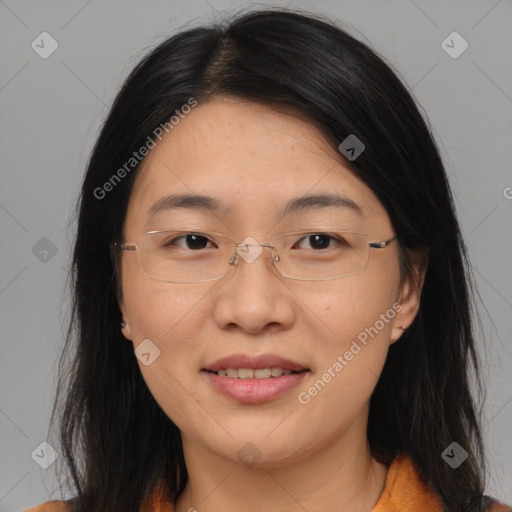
(109, 421)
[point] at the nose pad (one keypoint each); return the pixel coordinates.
(273, 253)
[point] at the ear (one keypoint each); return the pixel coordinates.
(125, 327)
(410, 293)
(127, 333)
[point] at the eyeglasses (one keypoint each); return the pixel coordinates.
(199, 257)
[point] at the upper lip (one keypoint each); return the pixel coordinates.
(262, 361)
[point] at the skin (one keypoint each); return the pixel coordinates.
(314, 457)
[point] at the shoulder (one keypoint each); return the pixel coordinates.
(158, 504)
(405, 490)
(499, 507)
(51, 506)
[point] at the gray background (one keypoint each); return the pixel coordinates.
(51, 111)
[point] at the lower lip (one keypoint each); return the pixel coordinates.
(254, 391)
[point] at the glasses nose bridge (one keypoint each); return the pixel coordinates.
(273, 251)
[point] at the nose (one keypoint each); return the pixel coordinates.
(253, 295)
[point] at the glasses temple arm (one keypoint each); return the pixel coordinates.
(383, 244)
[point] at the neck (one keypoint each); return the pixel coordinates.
(341, 475)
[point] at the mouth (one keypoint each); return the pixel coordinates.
(252, 380)
(258, 373)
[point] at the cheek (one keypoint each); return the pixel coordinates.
(154, 308)
(349, 360)
(357, 314)
(166, 314)
(353, 308)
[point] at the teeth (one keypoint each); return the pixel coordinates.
(262, 373)
(245, 373)
(249, 373)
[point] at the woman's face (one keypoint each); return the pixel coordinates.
(253, 160)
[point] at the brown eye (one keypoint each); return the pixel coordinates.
(192, 241)
(319, 241)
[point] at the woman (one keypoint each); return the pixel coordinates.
(272, 302)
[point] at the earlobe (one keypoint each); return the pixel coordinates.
(125, 329)
(397, 332)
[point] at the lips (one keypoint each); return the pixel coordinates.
(255, 362)
(253, 380)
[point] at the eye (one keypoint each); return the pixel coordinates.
(321, 241)
(193, 241)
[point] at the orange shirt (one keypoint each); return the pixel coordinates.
(404, 491)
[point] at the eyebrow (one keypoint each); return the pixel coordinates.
(210, 204)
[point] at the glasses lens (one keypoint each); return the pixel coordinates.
(184, 256)
(321, 255)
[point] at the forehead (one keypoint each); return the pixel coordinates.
(251, 158)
